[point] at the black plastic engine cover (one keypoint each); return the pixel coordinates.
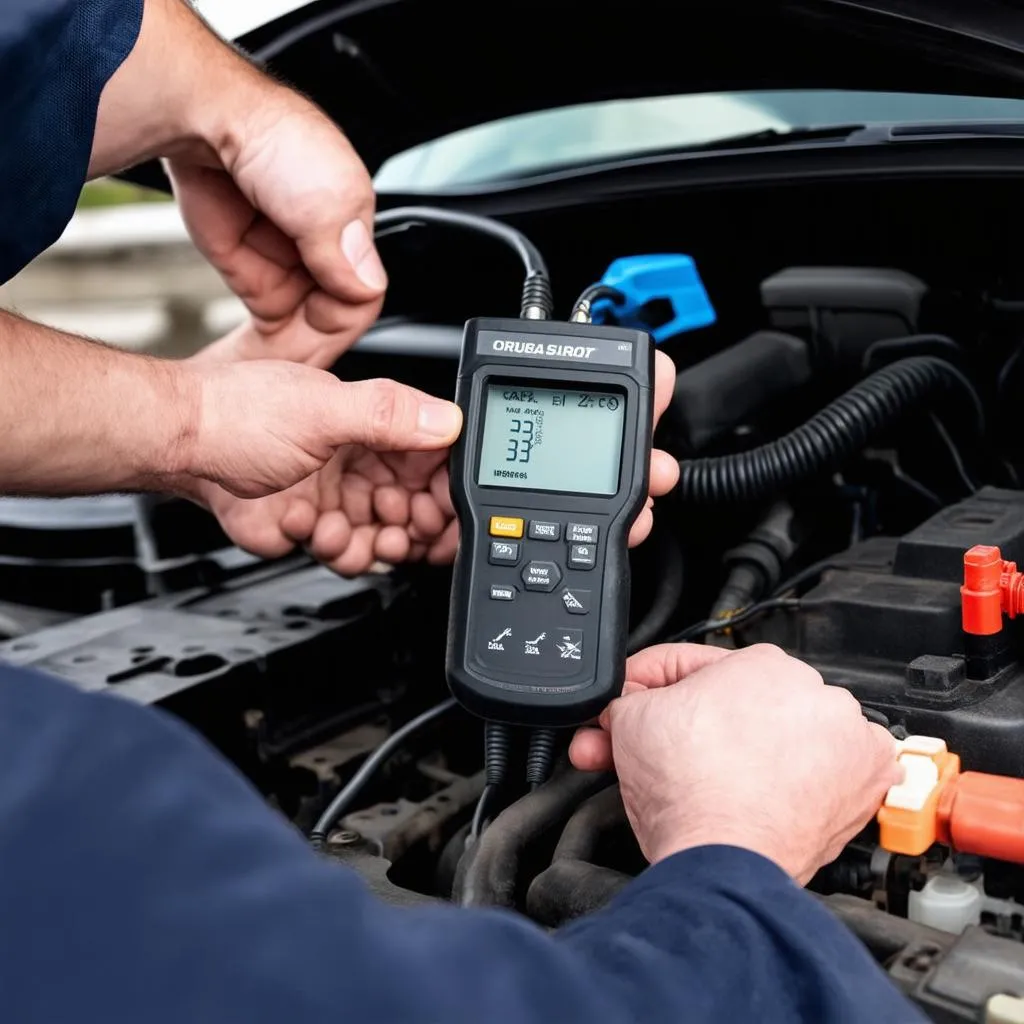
(886, 625)
(303, 649)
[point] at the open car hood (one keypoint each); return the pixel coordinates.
(397, 73)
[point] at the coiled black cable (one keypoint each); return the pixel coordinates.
(496, 751)
(540, 756)
(497, 744)
(536, 296)
(537, 300)
(826, 440)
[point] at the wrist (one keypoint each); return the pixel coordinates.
(739, 836)
(164, 454)
(178, 95)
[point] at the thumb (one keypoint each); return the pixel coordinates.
(386, 416)
(628, 687)
(614, 710)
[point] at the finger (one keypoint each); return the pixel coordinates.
(258, 262)
(887, 752)
(299, 521)
(667, 664)
(602, 722)
(440, 491)
(664, 473)
(443, 551)
(260, 536)
(304, 174)
(358, 556)
(414, 470)
(392, 505)
(373, 466)
(641, 528)
(392, 545)
(591, 750)
(267, 274)
(664, 384)
(612, 715)
(343, 260)
(331, 537)
(385, 416)
(427, 516)
(628, 687)
(417, 552)
(346, 322)
(357, 499)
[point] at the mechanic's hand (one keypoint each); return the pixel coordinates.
(272, 192)
(288, 221)
(282, 205)
(653, 668)
(751, 750)
(367, 506)
(363, 506)
(262, 427)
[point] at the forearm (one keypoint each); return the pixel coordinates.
(728, 935)
(181, 91)
(77, 417)
(232, 917)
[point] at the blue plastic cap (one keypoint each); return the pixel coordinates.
(642, 279)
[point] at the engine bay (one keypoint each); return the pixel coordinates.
(846, 434)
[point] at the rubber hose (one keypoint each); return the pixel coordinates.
(570, 889)
(596, 817)
(824, 442)
(488, 873)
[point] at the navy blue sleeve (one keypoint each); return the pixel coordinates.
(55, 58)
(144, 879)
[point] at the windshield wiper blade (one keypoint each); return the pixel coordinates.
(772, 137)
(861, 134)
(913, 132)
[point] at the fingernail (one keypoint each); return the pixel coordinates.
(440, 419)
(359, 250)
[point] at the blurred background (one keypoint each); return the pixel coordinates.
(126, 273)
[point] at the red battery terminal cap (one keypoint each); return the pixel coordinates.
(992, 587)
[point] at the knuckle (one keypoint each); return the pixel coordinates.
(383, 411)
(812, 675)
(772, 651)
(843, 701)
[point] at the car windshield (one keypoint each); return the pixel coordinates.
(532, 144)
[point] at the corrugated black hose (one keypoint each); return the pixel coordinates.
(829, 438)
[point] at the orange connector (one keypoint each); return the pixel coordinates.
(909, 821)
(992, 586)
(970, 811)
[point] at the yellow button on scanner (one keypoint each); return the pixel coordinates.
(506, 526)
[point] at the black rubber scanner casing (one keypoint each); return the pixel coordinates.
(509, 681)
